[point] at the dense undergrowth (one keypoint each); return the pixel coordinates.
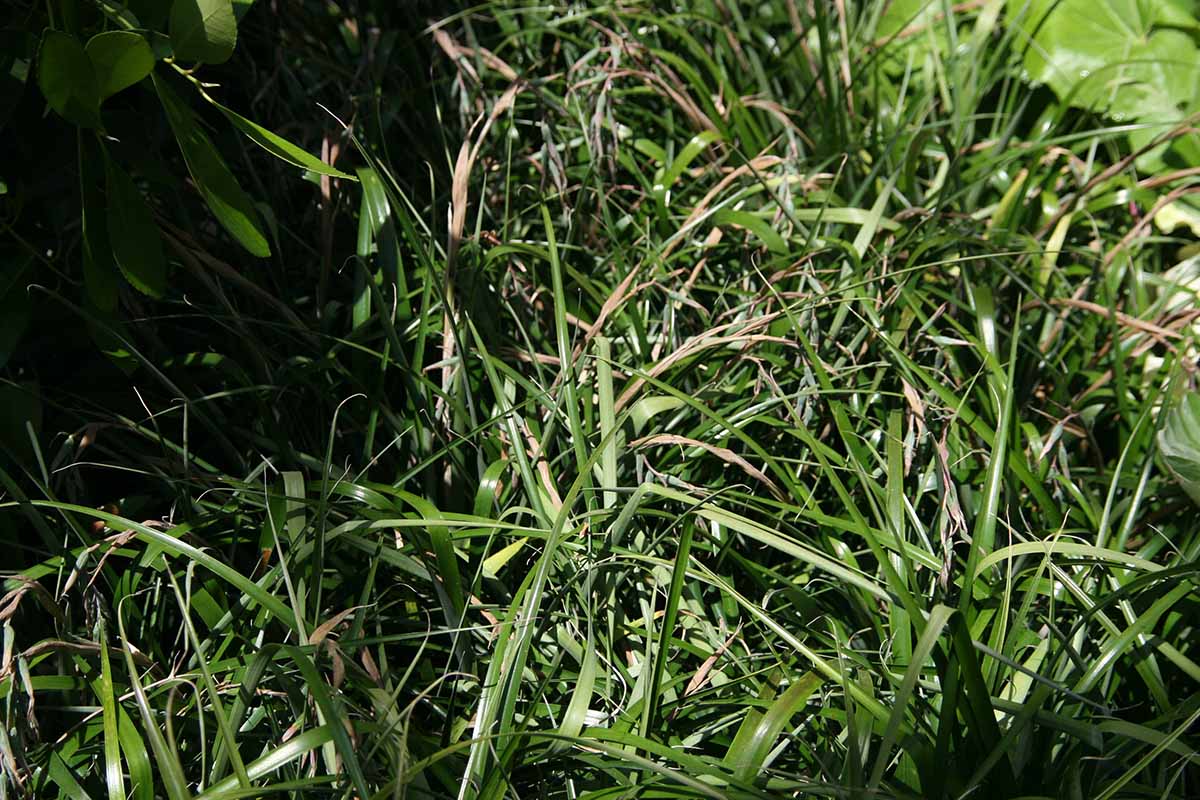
(713, 400)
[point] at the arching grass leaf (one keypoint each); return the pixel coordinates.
(759, 730)
(279, 147)
(221, 191)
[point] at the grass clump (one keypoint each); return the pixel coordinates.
(739, 400)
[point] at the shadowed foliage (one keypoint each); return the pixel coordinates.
(600, 400)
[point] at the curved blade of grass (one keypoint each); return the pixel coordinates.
(1119, 784)
(666, 628)
(299, 745)
(774, 540)
(1116, 646)
(170, 771)
(748, 752)
(113, 776)
(1059, 547)
(221, 191)
(333, 717)
(224, 729)
(178, 547)
(938, 617)
(141, 775)
(281, 148)
(581, 696)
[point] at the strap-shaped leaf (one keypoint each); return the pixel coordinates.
(221, 191)
(120, 59)
(758, 732)
(67, 79)
(99, 270)
(203, 30)
(136, 242)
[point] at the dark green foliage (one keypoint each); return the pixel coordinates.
(715, 399)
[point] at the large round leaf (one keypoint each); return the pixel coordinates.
(1126, 58)
(203, 30)
(1179, 444)
(120, 59)
(67, 79)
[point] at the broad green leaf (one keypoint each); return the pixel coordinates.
(1184, 212)
(136, 242)
(203, 30)
(1127, 58)
(279, 147)
(1179, 443)
(67, 79)
(99, 269)
(120, 59)
(221, 191)
(912, 30)
(905, 15)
